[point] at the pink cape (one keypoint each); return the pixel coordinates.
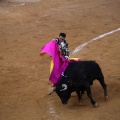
(60, 63)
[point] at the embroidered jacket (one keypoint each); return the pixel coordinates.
(63, 47)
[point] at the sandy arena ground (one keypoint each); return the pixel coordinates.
(24, 76)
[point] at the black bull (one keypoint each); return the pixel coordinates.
(78, 76)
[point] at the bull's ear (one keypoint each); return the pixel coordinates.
(63, 74)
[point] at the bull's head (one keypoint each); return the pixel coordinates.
(63, 92)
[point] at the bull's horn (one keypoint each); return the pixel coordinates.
(64, 87)
(54, 88)
(63, 74)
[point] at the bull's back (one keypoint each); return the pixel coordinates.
(83, 65)
(83, 68)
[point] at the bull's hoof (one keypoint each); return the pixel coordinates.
(106, 97)
(81, 102)
(64, 103)
(95, 105)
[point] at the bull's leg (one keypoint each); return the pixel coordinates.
(105, 89)
(88, 89)
(82, 92)
(79, 96)
(101, 80)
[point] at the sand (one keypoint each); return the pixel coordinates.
(24, 76)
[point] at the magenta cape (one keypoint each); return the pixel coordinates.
(60, 63)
